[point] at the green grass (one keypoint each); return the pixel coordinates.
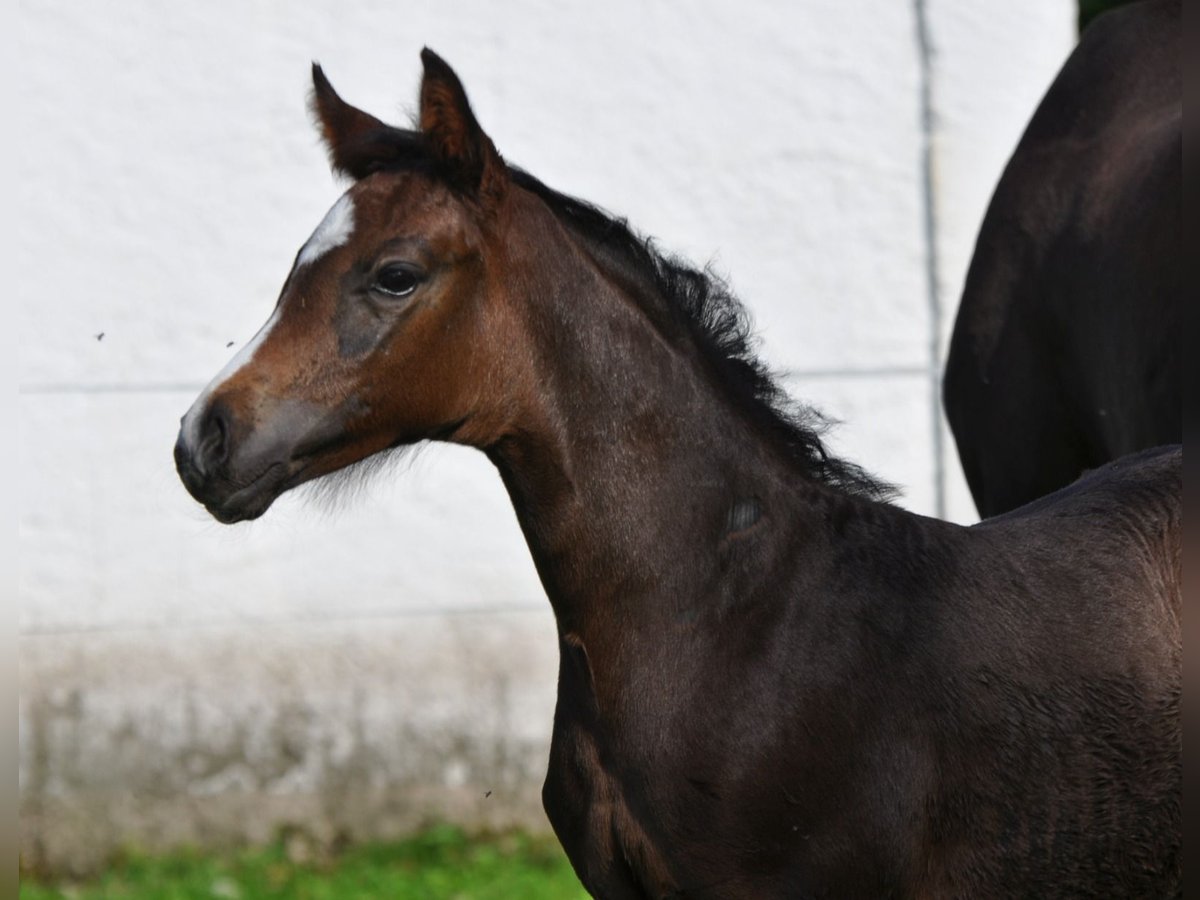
(442, 863)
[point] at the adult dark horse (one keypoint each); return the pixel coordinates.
(1066, 351)
(772, 683)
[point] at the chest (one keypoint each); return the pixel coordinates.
(648, 803)
(724, 797)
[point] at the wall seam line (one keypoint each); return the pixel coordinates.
(932, 262)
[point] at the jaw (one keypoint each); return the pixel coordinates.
(244, 491)
(260, 457)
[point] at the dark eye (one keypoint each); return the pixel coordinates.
(397, 280)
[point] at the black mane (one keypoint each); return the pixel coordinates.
(701, 305)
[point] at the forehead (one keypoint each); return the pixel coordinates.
(333, 231)
(386, 205)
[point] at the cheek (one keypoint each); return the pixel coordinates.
(414, 380)
(358, 327)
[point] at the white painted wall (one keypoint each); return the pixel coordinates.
(400, 650)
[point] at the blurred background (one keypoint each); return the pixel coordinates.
(349, 674)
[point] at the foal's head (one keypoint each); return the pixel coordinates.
(390, 323)
(415, 310)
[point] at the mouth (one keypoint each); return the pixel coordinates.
(252, 500)
(246, 501)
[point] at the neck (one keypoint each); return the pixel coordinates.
(641, 490)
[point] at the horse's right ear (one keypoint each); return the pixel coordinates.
(464, 154)
(345, 129)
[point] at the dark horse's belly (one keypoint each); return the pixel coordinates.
(1067, 348)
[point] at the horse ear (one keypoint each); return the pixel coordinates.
(344, 128)
(464, 154)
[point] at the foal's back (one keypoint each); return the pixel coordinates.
(1063, 753)
(964, 712)
(1120, 527)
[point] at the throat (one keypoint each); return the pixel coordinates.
(618, 531)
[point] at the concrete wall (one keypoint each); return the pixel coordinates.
(354, 671)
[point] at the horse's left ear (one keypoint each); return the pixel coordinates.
(346, 129)
(465, 155)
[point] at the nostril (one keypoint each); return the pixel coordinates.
(214, 438)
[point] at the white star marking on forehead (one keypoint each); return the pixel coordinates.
(335, 229)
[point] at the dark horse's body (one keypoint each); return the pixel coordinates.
(1066, 351)
(772, 683)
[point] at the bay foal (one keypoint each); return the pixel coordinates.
(772, 683)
